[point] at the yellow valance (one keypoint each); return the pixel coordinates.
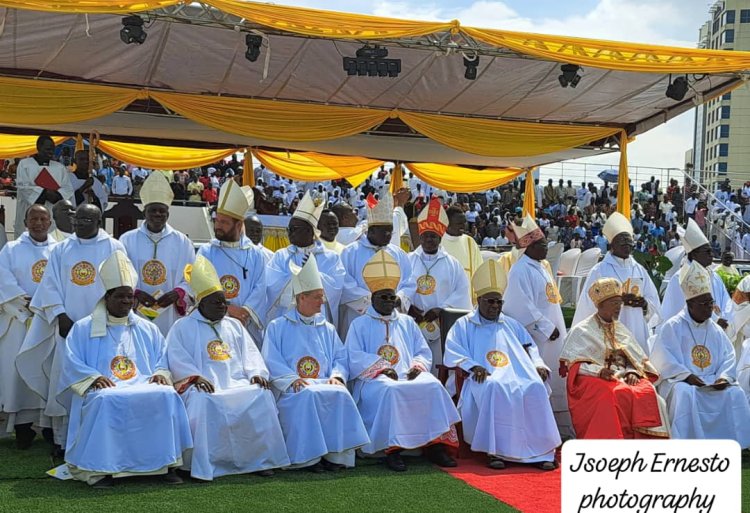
(163, 157)
(497, 138)
(462, 179)
(16, 146)
(337, 25)
(315, 167)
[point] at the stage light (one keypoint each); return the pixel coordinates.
(570, 76)
(372, 61)
(471, 67)
(253, 43)
(677, 89)
(132, 30)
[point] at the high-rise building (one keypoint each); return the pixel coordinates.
(721, 145)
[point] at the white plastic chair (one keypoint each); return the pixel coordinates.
(566, 279)
(677, 256)
(554, 255)
(587, 261)
(568, 262)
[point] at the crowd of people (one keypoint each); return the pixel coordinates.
(236, 359)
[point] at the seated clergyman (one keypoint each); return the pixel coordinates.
(308, 367)
(698, 370)
(505, 405)
(116, 362)
(610, 390)
(403, 406)
(223, 381)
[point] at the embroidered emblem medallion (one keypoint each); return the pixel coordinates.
(497, 359)
(218, 350)
(701, 356)
(308, 367)
(231, 286)
(154, 272)
(123, 368)
(426, 285)
(553, 296)
(37, 270)
(83, 273)
(389, 353)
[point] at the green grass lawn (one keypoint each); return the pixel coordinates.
(370, 487)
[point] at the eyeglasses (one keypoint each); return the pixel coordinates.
(707, 302)
(387, 297)
(493, 302)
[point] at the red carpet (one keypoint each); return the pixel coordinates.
(522, 486)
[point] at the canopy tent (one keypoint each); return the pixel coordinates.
(67, 71)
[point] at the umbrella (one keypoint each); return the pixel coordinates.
(609, 175)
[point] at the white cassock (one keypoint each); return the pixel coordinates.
(242, 272)
(684, 347)
(355, 299)
(441, 283)
(321, 420)
(160, 260)
(279, 279)
(631, 274)
(532, 299)
(267, 253)
(28, 192)
(23, 262)
(236, 429)
(464, 249)
(509, 415)
(136, 427)
(71, 285)
(743, 369)
(674, 299)
(406, 414)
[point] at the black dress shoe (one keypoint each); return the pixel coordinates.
(329, 466)
(436, 454)
(48, 436)
(496, 463)
(171, 478)
(395, 462)
(316, 469)
(105, 483)
(24, 436)
(265, 473)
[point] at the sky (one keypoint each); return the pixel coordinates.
(665, 22)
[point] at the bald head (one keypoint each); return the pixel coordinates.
(63, 213)
(88, 220)
(254, 229)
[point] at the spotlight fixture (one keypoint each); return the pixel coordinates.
(471, 67)
(132, 30)
(570, 76)
(373, 62)
(253, 43)
(678, 88)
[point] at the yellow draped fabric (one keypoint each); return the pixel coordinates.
(275, 238)
(497, 138)
(397, 178)
(623, 183)
(265, 119)
(336, 25)
(529, 199)
(248, 173)
(328, 24)
(40, 102)
(313, 167)
(89, 6)
(615, 55)
(163, 157)
(17, 146)
(462, 179)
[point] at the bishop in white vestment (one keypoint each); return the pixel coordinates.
(504, 405)
(223, 381)
(68, 292)
(402, 405)
(240, 263)
(698, 368)
(160, 254)
(40, 169)
(23, 262)
(697, 249)
(641, 303)
(441, 281)
(309, 371)
(305, 244)
(355, 299)
(125, 417)
(536, 305)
